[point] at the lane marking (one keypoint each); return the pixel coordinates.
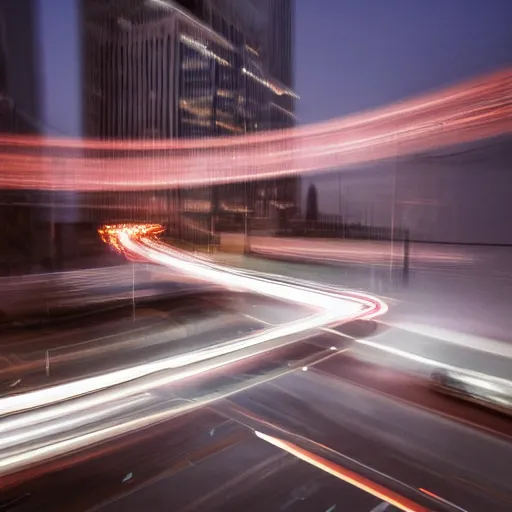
(420, 359)
(478, 343)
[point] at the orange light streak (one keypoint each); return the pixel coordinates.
(350, 477)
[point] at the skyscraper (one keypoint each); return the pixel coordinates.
(186, 69)
(145, 69)
(191, 69)
(42, 91)
(20, 102)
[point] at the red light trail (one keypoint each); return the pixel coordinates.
(473, 110)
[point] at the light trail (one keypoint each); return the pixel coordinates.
(493, 89)
(46, 430)
(350, 251)
(374, 482)
(346, 475)
(475, 110)
(329, 307)
(425, 361)
(478, 109)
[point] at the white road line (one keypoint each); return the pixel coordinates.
(420, 359)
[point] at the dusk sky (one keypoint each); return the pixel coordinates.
(351, 55)
(357, 54)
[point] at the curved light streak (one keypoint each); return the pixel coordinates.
(492, 89)
(348, 476)
(474, 110)
(139, 241)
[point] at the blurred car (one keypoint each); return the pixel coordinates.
(480, 390)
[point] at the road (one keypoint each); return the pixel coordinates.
(424, 320)
(41, 296)
(386, 421)
(461, 320)
(198, 462)
(326, 305)
(412, 445)
(121, 337)
(209, 458)
(197, 435)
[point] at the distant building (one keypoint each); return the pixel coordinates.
(185, 69)
(41, 93)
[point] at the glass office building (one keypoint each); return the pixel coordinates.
(193, 69)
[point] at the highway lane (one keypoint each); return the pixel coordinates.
(412, 444)
(115, 339)
(403, 387)
(38, 435)
(138, 400)
(180, 453)
(197, 462)
(335, 402)
(248, 477)
(155, 332)
(419, 351)
(300, 406)
(329, 306)
(458, 320)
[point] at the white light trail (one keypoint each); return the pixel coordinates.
(329, 308)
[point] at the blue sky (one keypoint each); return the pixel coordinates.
(352, 55)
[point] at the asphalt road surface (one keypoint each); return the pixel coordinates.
(413, 444)
(198, 462)
(210, 459)
(115, 338)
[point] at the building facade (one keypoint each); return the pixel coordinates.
(139, 69)
(185, 69)
(192, 69)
